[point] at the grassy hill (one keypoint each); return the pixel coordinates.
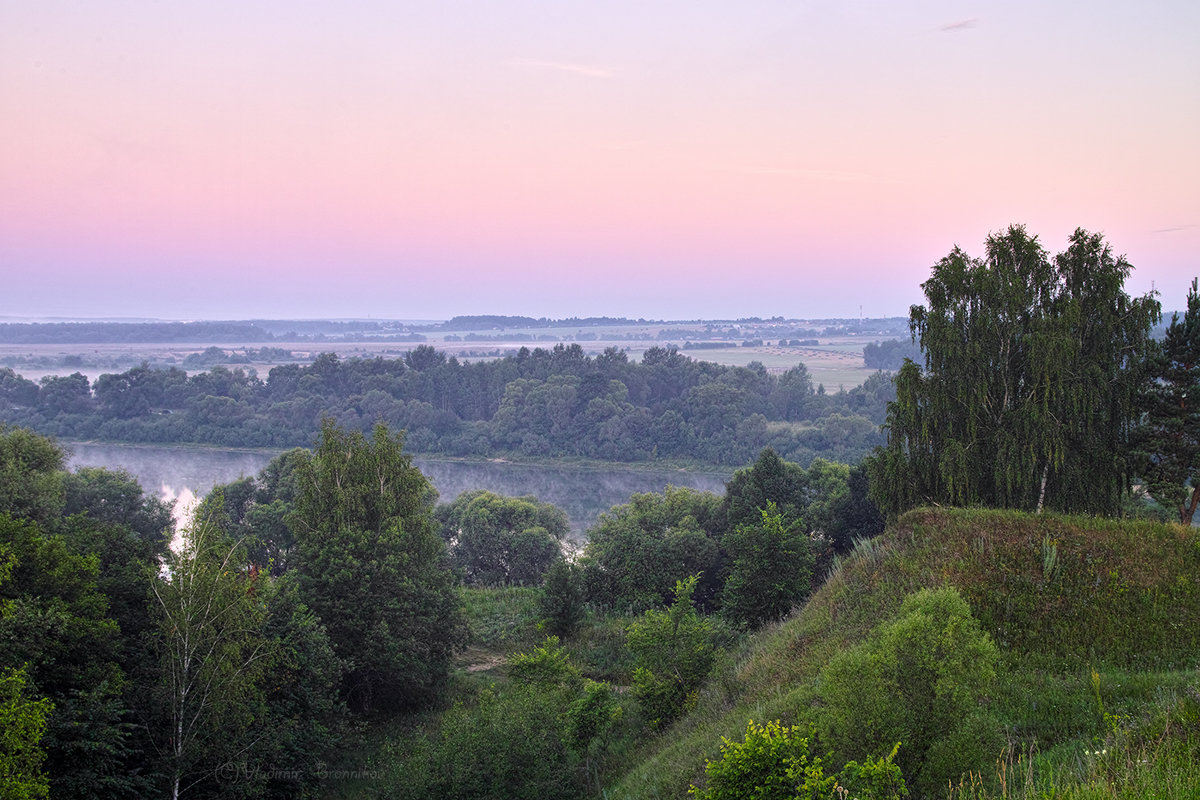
(1097, 623)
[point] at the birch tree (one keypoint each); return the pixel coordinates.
(1027, 393)
(212, 652)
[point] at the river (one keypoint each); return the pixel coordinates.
(181, 474)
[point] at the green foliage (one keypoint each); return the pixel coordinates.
(117, 498)
(591, 714)
(546, 665)
(827, 499)
(502, 540)
(1049, 636)
(54, 619)
(920, 680)
(772, 763)
(776, 763)
(255, 511)
(562, 598)
(878, 779)
(531, 403)
(213, 650)
(509, 744)
(673, 651)
(638, 552)
(373, 569)
(30, 475)
(771, 570)
(1168, 439)
(22, 723)
(1027, 393)
(769, 480)
(303, 713)
(890, 355)
(544, 733)
(859, 518)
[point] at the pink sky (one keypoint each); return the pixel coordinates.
(658, 159)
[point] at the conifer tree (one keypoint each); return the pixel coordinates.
(1169, 437)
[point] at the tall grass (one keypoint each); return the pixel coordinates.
(502, 618)
(1167, 769)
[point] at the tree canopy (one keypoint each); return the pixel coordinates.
(1027, 394)
(502, 540)
(532, 403)
(1169, 436)
(372, 567)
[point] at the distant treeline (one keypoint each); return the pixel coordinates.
(483, 322)
(76, 332)
(216, 355)
(890, 355)
(262, 330)
(535, 403)
(239, 332)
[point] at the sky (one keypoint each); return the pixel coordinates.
(660, 159)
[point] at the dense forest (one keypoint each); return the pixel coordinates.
(555, 402)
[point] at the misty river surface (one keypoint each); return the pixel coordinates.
(581, 491)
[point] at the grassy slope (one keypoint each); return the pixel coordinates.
(1061, 596)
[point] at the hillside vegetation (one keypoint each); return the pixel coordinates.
(1097, 623)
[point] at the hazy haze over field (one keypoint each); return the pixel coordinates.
(667, 160)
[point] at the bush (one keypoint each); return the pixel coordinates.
(673, 653)
(771, 572)
(509, 745)
(772, 763)
(920, 680)
(880, 779)
(562, 598)
(548, 666)
(775, 763)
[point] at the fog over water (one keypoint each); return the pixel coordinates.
(183, 474)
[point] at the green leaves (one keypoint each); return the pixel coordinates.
(919, 680)
(213, 652)
(639, 551)
(561, 600)
(1027, 392)
(674, 651)
(776, 763)
(1168, 439)
(771, 572)
(22, 723)
(373, 569)
(771, 763)
(502, 540)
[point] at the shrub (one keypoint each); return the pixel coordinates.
(771, 572)
(547, 665)
(919, 680)
(562, 598)
(772, 763)
(775, 763)
(673, 653)
(880, 779)
(509, 745)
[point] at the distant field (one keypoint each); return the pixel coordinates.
(835, 366)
